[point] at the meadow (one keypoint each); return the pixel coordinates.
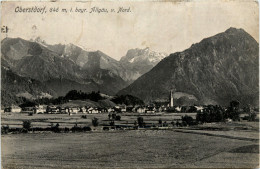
(64, 120)
(237, 146)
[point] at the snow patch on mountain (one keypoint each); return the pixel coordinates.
(143, 55)
(132, 60)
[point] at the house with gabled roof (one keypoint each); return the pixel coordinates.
(13, 109)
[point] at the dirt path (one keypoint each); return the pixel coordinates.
(243, 135)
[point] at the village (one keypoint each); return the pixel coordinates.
(148, 126)
(130, 84)
(53, 109)
(120, 116)
(232, 112)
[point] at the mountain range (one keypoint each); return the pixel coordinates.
(57, 69)
(216, 70)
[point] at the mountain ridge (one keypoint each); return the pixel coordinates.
(215, 70)
(69, 66)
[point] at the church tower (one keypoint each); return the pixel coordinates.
(171, 99)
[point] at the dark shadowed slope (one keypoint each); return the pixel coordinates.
(13, 87)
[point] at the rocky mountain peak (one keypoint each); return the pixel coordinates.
(233, 30)
(140, 55)
(214, 71)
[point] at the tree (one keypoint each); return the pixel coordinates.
(112, 123)
(233, 111)
(252, 116)
(218, 116)
(55, 128)
(95, 122)
(165, 124)
(76, 128)
(118, 118)
(160, 122)
(127, 100)
(113, 116)
(27, 104)
(5, 129)
(211, 114)
(178, 123)
(140, 121)
(187, 120)
(84, 116)
(27, 125)
(79, 95)
(234, 105)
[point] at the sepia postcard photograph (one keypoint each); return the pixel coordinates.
(129, 84)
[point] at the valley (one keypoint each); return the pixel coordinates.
(190, 109)
(130, 84)
(172, 148)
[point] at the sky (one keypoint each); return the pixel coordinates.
(162, 26)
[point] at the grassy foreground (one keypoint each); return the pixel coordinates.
(228, 145)
(126, 149)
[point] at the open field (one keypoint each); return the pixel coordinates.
(226, 145)
(126, 149)
(44, 120)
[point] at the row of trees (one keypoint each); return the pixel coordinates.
(186, 120)
(27, 126)
(79, 95)
(71, 95)
(217, 113)
(127, 100)
(211, 114)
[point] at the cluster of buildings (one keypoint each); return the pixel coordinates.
(52, 109)
(42, 109)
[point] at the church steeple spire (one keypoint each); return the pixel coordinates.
(171, 99)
